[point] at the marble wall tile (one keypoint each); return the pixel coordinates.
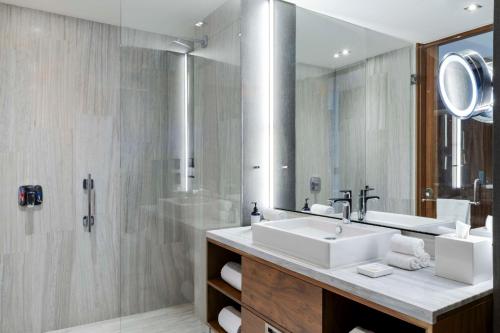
(389, 131)
(313, 130)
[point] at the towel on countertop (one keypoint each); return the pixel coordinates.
(270, 214)
(322, 209)
(404, 261)
(230, 319)
(407, 245)
(453, 210)
(231, 273)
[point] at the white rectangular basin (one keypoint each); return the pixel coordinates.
(315, 240)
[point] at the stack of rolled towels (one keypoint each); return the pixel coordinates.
(229, 318)
(407, 253)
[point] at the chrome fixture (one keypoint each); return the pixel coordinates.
(189, 45)
(465, 84)
(347, 205)
(476, 201)
(473, 7)
(88, 186)
(199, 24)
(363, 199)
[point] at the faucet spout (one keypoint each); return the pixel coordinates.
(363, 199)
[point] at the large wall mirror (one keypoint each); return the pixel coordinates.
(346, 118)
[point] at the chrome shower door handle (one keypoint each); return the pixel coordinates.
(88, 186)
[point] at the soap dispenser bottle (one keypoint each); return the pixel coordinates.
(255, 216)
(306, 206)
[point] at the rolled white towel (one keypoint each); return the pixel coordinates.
(230, 319)
(403, 261)
(273, 214)
(231, 273)
(407, 245)
(425, 260)
(322, 209)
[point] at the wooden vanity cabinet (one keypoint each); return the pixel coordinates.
(292, 303)
(276, 300)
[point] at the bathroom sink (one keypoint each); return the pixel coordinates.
(315, 240)
(401, 220)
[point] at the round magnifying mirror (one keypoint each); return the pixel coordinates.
(465, 85)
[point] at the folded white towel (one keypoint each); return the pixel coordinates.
(322, 209)
(231, 273)
(273, 214)
(230, 319)
(403, 261)
(453, 210)
(359, 330)
(407, 245)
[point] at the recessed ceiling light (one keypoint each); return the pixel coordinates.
(345, 52)
(473, 7)
(336, 55)
(199, 24)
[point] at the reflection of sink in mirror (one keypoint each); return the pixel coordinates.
(401, 220)
(317, 241)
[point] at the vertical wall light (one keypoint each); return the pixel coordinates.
(457, 145)
(186, 124)
(271, 103)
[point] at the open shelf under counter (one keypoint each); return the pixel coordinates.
(223, 287)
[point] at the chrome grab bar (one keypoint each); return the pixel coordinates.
(88, 186)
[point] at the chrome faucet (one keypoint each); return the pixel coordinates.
(363, 199)
(347, 205)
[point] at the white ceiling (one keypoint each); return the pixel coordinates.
(412, 20)
(171, 17)
(319, 37)
(419, 21)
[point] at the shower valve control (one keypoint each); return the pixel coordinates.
(30, 195)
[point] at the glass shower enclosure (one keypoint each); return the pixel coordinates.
(135, 137)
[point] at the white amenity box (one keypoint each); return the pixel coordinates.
(467, 260)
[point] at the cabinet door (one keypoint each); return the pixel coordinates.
(290, 302)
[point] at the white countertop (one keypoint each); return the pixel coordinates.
(419, 294)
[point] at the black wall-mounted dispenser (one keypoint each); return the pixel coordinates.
(30, 195)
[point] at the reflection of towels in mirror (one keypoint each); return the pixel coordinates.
(453, 210)
(322, 209)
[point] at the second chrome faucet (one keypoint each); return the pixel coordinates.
(363, 199)
(347, 203)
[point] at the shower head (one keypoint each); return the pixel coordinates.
(184, 44)
(189, 46)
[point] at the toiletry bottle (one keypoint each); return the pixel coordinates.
(255, 216)
(306, 206)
